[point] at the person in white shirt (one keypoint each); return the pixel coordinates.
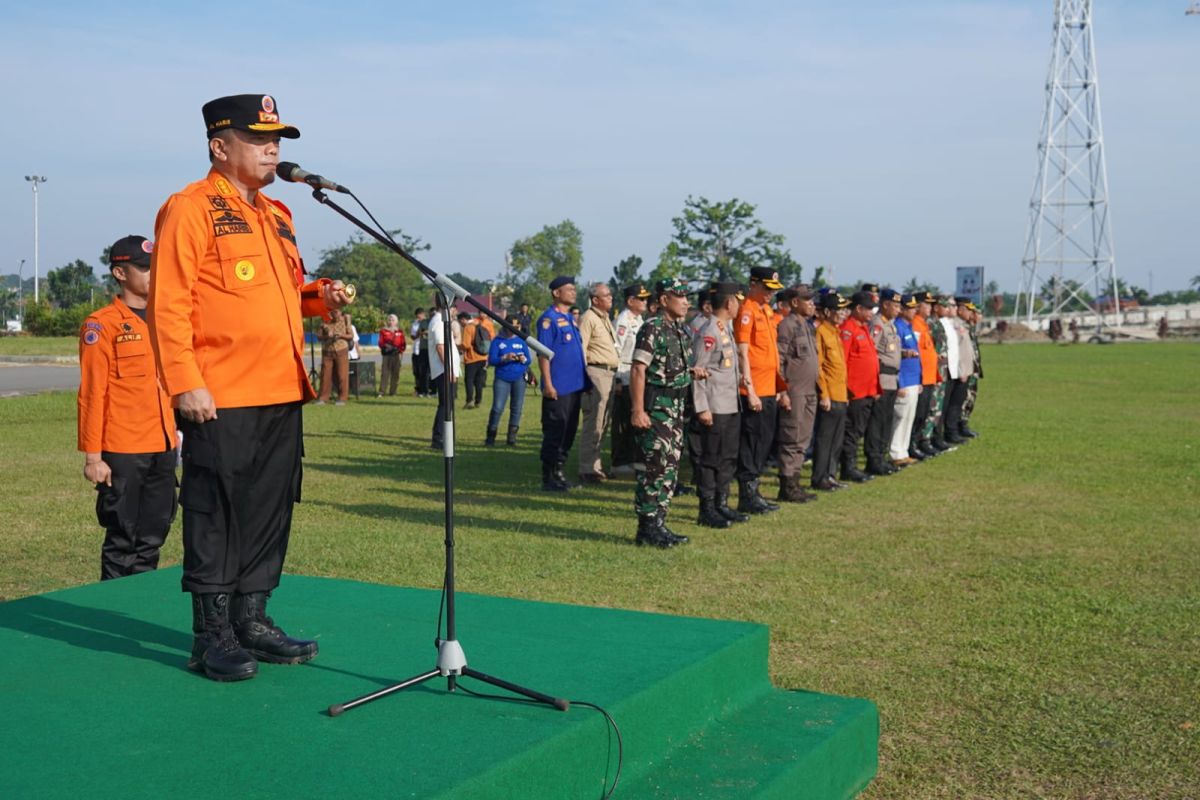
(624, 449)
(438, 348)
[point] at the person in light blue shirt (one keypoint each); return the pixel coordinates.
(510, 358)
(909, 390)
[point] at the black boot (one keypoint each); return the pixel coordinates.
(709, 516)
(215, 649)
(549, 482)
(926, 447)
(965, 431)
(511, 439)
(722, 506)
(490, 441)
(648, 533)
(261, 637)
(750, 501)
(790, 491)
(661, 519)
(851, 472)
(561, 478)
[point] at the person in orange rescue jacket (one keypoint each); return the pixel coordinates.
(227, 301)
(126, 425)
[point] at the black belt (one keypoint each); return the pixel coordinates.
(669, 391)
(603, 366)
(889, 370)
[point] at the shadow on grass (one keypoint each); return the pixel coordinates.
(97, 629)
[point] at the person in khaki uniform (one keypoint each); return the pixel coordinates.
(797, 342)
(599, 340)
(335, 339)
(126, 425)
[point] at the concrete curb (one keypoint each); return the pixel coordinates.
(61, 360)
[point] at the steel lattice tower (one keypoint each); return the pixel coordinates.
(1069, 244)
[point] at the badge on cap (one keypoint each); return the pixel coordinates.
(244, 270)
(268, 104)
(147, 246)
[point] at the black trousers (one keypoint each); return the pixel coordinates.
(438, 388)
(956, 395)
(136, 511)
(857, 415)
(829, 430)
(879, 428)
(420, 366)
(624, 445)
(241, 477)
(757, 438)
(718, 448)
(475, 375)
(560, 423)
(922, 414)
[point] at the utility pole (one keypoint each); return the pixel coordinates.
(35, 180)
(1069, 240)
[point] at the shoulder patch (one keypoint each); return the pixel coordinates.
(847, 335)
(710, 342)
(745, 319)
(546, 323)
(620, 330)
(93, 324)
(90, 336)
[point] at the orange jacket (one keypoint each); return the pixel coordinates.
(754, 326)
(925, 346)
(831, 363)
(122, 406)
(226, 308)
(468, 340)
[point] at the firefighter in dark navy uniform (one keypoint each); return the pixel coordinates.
(126, 425)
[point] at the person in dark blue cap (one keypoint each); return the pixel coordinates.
(564, 380)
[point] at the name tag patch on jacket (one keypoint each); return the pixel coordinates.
(128, 337)
(227, 222)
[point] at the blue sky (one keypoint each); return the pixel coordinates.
(887, 140)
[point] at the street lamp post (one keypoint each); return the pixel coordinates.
(21, 291)
(35, 180)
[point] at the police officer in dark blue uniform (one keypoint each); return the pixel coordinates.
(564, 380)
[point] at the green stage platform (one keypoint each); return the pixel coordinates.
(98, 704)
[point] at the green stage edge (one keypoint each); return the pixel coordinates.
(98, 703)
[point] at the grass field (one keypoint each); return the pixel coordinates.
(39, 346)
(1025, 611)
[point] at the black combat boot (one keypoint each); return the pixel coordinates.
(790, 491)
(709, 516)
(722, 506)
(490, 441)
(561, 478)
(648, 533)
(750, 501)
(261, 637)
(215, 648)
(965, 431)
(511, 439)
(661, 519)
(926, 447)
(549, 482)
(851, 472)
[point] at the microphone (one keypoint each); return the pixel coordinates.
(292, 172)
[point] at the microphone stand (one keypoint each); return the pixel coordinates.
(451, 660)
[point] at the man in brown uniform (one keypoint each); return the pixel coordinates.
(226, 308)
(798, 363)
(335, 339)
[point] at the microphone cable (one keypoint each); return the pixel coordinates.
(612, 724)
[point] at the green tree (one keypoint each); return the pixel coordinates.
(472, 285)
(628, 271)
(913, 284)
(670, 264)
(1195, 282)
(722, 241)
(538, 259)
(111, 287)
(71, 284)
(382, 279)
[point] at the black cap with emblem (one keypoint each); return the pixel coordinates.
(636, 290)
(134, 250)
(256, 113)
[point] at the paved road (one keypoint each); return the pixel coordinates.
(32, 378)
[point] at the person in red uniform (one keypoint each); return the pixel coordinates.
(126, 425)
(391, 347)
(862, 380)
(227, 301)
(763, 390)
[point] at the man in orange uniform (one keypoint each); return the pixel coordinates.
(227, 302)
(126, 425)
(862, 380)
(918, 444)
(763, 390)
(831, 391)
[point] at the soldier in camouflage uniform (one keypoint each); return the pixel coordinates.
(660, 381)
(933, 422)
(972, 323)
